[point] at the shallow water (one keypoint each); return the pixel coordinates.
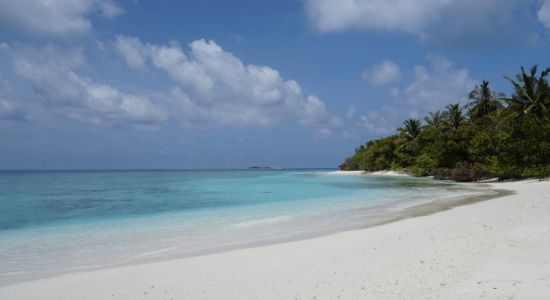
(56, 222)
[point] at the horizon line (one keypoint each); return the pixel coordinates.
(168, 169)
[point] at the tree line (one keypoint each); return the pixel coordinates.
(491, 136)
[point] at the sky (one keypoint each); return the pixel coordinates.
(112, 84)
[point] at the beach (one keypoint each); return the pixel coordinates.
(312, 149)
(494, 249)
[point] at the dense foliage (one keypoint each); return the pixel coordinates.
(490, 136)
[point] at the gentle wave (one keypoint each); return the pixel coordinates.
(257, 222)
(110, 218)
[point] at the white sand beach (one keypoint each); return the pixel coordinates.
(495, 249)
(364, 173)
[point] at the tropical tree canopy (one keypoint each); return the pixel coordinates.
(434, 119)
(453, 115)
(532, 93)
(412, 128)
(483, 101)
(504, 137)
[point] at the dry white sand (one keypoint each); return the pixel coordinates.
(388, 173)
(496, 249)
(358, 173)
(345, 173)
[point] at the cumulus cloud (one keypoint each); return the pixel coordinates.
(215, 86)
(206, 86)
(544, 13)
(398, 15)
(383, 73)
(45, 17)
(323, 133)
(379, 123)
(132, 51)
(432, 87)
(439, 84)
(52, 72)
(468, 21)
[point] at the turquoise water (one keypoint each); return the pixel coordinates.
(57, 222)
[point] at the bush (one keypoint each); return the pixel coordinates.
(509, 139)
(537, 171)
(442, 173)
(424, 165)
(468, 172)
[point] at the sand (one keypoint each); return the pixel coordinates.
(344, 173)
(364, 173)
(495, 249)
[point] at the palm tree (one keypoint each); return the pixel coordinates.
(454, 115)
(412, 128)
(532, 93)
(434, 119)
(483, 101)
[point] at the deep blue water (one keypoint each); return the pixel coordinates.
(54, 222)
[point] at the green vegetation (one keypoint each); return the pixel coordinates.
(491, 136)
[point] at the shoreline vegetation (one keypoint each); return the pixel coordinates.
(492, 136)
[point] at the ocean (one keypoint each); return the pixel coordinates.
(55, 222)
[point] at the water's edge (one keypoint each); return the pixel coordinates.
(418, 210)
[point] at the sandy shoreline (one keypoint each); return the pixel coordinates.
(365, 173)
(497, 249)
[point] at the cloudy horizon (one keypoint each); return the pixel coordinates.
(129, 84)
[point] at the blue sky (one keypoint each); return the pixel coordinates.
(229, 84)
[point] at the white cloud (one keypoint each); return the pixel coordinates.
(350, 135)
(432, 88)
(323, 133)
(108, 8)
(383, 73)
(466, 21)
(9, 111)
(377, 122)
(209, 86)
(437, 85)
(544, 13)
(398, 15)
(351, 111)
(53, 75)
(132, 51)
(215, 86)
(46, 17)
